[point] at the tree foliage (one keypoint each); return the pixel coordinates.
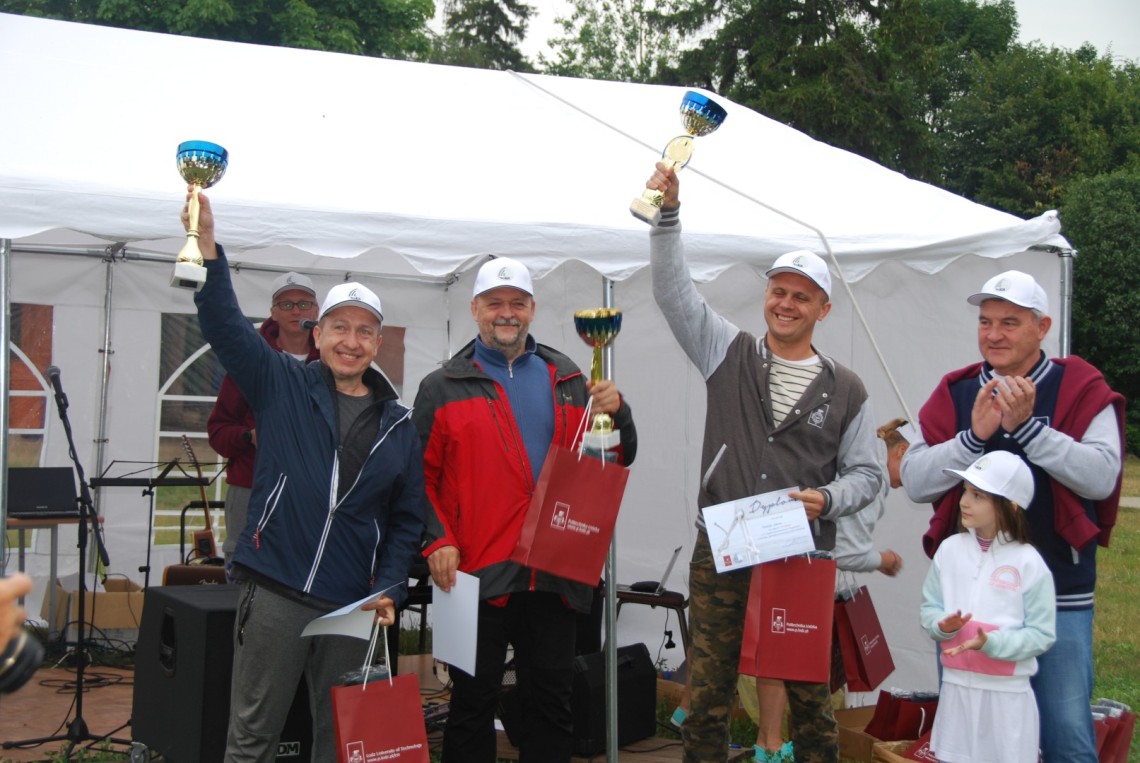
(388, 28)
(871, 76)
(1035, 119)
(609, 39)
(1102, 220)
(484, 34)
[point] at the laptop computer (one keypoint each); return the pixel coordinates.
(45, 492)
(654, 586)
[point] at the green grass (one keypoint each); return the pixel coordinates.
(1116, 641)
(1131, 486)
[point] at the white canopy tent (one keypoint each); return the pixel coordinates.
(405, 175)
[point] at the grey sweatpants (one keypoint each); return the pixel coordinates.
(270, 656)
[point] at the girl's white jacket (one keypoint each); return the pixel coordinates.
(1009, 591)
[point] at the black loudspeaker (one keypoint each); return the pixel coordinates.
(637, 699)
(183, 664)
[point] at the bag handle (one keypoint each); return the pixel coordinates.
(378, 631)
(580, 431)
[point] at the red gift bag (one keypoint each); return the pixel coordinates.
(866, 657)
(571, 517)
(380, 721)
(788, 622)
(902, 716)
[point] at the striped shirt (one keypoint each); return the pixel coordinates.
(787, 382)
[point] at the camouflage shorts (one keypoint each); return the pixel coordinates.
(716, 619)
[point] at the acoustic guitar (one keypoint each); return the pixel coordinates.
(204, 546)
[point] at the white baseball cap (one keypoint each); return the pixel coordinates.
(291, 280)
(1013, 286)
(805, 263)
(503, 271)
(351, 294)
(1000, 473)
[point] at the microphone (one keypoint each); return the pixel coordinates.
(52, 374)
(308, 324)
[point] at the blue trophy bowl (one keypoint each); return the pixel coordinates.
(700, 114)
(201, 162)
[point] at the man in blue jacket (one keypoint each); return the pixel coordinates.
(336, 509)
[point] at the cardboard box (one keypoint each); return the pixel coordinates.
(112, 613)
(889, 752)
(854, 743)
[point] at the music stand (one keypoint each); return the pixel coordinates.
(148, 484)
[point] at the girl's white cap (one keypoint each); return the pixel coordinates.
(1000, 473)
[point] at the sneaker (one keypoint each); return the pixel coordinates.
(679, 716)
(782, 755)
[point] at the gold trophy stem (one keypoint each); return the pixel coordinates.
(190, 251)
(603, 423)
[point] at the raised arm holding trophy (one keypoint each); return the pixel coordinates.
(201, 164)
(700, 115)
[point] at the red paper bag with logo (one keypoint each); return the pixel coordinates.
(788, 622)
(866, 657)
(380, 721)
(571, 517)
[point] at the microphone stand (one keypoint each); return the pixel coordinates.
(77, 730)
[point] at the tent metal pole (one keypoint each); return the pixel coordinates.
(105, 377)
(5, 381)
(1065, 336)
(611, 580)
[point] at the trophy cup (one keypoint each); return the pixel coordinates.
(699, 116)
(201, 164)
(598, 327)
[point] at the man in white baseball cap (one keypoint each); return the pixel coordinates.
(336, 508)
(780, 415)
(1061, 418)
(487, 419)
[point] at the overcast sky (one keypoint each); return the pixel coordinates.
(1062, 23)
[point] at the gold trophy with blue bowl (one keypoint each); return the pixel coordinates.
(201, 164)
(700, 115)
(598, 327)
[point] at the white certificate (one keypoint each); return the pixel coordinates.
(757, 529)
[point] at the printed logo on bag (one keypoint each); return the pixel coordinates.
(781, 623)
(354, 752)
(922, 752)
(1006, 578)
(818, 416)
(560, 515)
(560, 520)
(869, 643)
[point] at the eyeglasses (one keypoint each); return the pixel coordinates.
(288, 304)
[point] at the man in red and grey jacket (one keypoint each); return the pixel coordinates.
(231, 429)
(486, 420)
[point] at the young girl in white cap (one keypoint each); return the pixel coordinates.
(989, 599)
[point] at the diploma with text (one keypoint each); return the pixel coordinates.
(757, 529)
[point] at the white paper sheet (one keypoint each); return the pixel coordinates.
(757, 529)
(455, 622)
(349, 620)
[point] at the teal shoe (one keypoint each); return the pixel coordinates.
(679, 716)
(782, 755)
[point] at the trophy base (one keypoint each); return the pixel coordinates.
(601, 440)
(187, 275)
(646, 212)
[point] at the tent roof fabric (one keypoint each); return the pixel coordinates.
(417, 168)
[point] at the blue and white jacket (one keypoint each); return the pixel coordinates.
(328, 522)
